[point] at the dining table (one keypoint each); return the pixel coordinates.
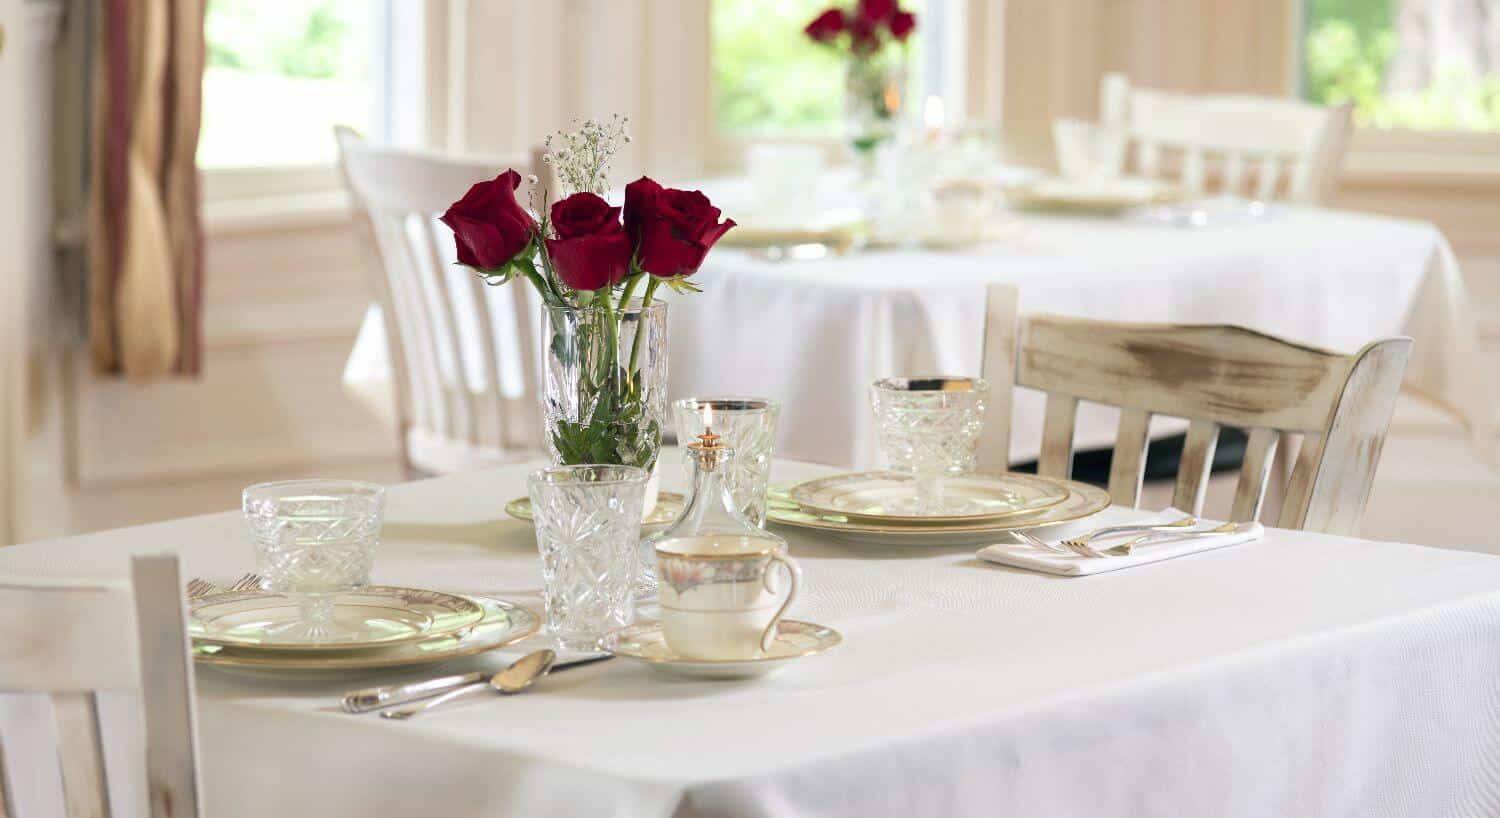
(814, 334)
(1298, 674)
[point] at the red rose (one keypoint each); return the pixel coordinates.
(591, 250)
(864, 38)
(673, 229)
(902, 24)
(876, 11)
(826, 26)
(489, 226)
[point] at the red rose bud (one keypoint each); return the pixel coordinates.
(489, 226)
(864, 39)
(876, 11)
(826, 26)
(673, 229)
(902, 24)
(591, 250)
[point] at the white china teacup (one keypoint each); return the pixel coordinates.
(719, 596)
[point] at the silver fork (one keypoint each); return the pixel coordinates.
(1085, 540)
(199, 588)
(247, 582)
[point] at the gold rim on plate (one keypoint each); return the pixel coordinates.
(407, 614)
(504, 623)
(1083, 501)
(645, 642)
(858, 496)
(669, 504)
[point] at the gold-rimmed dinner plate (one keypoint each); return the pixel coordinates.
(503, 623)
(879, 496)
(1083, 500)
(374, 617)
(669, 505)
(645, 643)
(1091, 195)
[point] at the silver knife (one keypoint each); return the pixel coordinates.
(375, 698)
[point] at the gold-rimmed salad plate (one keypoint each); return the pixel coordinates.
(374, 617)
(876, 496)
(1083, 500)
(669, 505)
(503, 623)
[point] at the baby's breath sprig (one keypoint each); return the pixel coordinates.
(581, 157)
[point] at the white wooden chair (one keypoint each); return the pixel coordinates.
(72, 642)
(464, 356)
(1292, 149)
(1212, 375)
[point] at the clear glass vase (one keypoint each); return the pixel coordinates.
(605, 374)
(874, 98)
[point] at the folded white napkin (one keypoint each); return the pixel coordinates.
(1019, 554)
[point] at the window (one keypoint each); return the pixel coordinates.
(281, 75)
(1415, 64)
(769, 79)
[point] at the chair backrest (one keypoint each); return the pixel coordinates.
(1263, 147)
(465, 355)
(1213, 376)
(70, 641)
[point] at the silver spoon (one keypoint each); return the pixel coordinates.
(513, 679)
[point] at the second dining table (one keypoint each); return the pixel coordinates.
(814, 334)
(1300, 674)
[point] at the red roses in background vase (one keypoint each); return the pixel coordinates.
(868, 26)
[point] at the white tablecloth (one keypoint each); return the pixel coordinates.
(815, 334)
(1301, 675)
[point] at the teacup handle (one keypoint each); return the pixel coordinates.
(769, 635)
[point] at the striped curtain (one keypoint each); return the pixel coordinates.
(144, 247)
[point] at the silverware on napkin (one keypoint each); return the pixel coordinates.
(376, 698)
(1117, 530)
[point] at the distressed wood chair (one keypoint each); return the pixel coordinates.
(71, 641)
(1292, 149)
(464, 356)
(1213, 376)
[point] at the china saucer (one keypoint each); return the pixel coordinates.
(644, 643)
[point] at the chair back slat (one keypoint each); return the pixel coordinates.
(1268, 179)
(1222, 129)
(998, 362)
(70, 640)
(470, 352)
(1213, 376)
(488, 356)
(168, 685)
(1193, 470)
(1234, 174)
(457, 391)
(80, 753)
(1255, 473)
(1127, 469)
(1342, 462)
(1057, 437)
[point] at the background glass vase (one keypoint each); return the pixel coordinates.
(874, 97)
(606, 384)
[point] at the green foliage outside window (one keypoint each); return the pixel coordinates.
(768, 77)
(1349, 46)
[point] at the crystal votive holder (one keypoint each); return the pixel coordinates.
(314, 539)
(929, 428)
(588, 527)
(746, 425)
